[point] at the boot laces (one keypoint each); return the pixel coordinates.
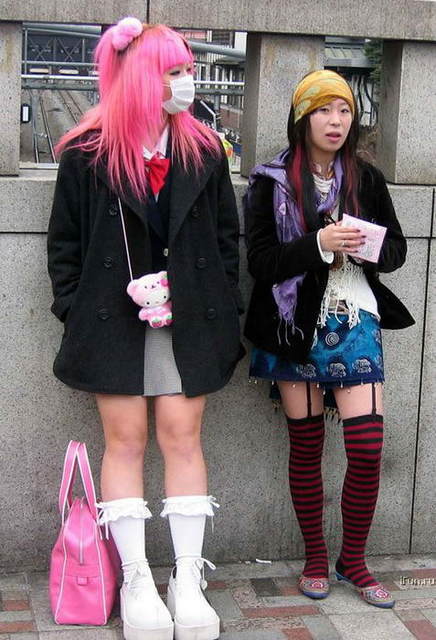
(197, 570)
(138, 578)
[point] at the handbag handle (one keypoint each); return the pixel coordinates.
(76, 456)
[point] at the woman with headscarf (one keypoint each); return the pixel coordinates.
(316, 311)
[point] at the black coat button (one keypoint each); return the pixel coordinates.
(103, 314)
(108, 262)
(201, 263)
(211, 314)
(195, 212)
(113, 209)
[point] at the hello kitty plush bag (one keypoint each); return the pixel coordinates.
(151, 292)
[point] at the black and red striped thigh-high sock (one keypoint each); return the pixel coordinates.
(363, 438)
(305, 481)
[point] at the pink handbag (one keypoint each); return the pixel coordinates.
(84, 565)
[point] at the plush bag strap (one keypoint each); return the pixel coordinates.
(76, 455)
(123, 224)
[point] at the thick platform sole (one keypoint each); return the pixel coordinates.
(380, 605)
(136, 633)
(209, 632)
(181, 632)
(133, 633)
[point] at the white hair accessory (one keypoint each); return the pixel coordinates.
(125, 31)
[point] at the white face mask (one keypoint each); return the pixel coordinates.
(183, 91)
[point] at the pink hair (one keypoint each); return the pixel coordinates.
(130, 113)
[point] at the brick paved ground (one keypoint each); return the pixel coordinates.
(257, 602)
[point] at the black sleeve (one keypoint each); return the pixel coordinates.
(394, 248)
(63, 238)
(268, 259)
(228, 230)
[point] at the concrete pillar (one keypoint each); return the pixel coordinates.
(407, 131)
(275, 63)
(10, 96)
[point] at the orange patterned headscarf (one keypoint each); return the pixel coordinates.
(317, 89)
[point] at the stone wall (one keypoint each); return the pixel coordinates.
(244, 437)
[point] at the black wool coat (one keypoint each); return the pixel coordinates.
(102, 348)
(270, 262)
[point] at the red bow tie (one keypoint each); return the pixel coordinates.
(157, 171)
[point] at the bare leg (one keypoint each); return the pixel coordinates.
(178, 431)
(178, 428)
(124, 421)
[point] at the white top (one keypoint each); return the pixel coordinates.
(348, 282)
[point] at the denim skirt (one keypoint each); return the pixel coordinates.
(339, 356)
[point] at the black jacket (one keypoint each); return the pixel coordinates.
(270, 261)
(102, 348)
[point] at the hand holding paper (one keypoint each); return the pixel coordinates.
(374, 236)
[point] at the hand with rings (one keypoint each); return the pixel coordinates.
(335, 237)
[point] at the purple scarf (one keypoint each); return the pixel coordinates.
(288, 222)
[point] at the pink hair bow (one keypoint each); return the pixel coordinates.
(125, 31)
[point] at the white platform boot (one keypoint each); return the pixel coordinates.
(144, 615)
(194, 618)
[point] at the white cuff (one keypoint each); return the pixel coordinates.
(189, 506)
(122, 508)
(326, 256)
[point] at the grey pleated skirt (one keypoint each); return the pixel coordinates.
(161, 376)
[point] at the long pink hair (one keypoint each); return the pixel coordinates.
(130, 113)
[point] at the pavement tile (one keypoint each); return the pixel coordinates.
(15, 627)
(261, 634)
(15, 581)
(23, 636)
(279, 624)
(264, 587)
(287, 586)
(424, 573)
(373, 625)
(15, 616)
(79, 633)
(321, 628)
(216, 585)
(421, 629)
(15, 605)
(298, 634)
(430, 614)
(418, 603)
(244, 594)
(225, 605)
(8, 594)
(285, 601)
(251, 570)
(415, 594)
(343, 600)
(268, 612)
(409, 614)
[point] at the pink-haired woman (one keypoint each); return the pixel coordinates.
(142, 188)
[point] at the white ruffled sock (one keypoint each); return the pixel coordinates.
(187, 519)
(126, 519)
